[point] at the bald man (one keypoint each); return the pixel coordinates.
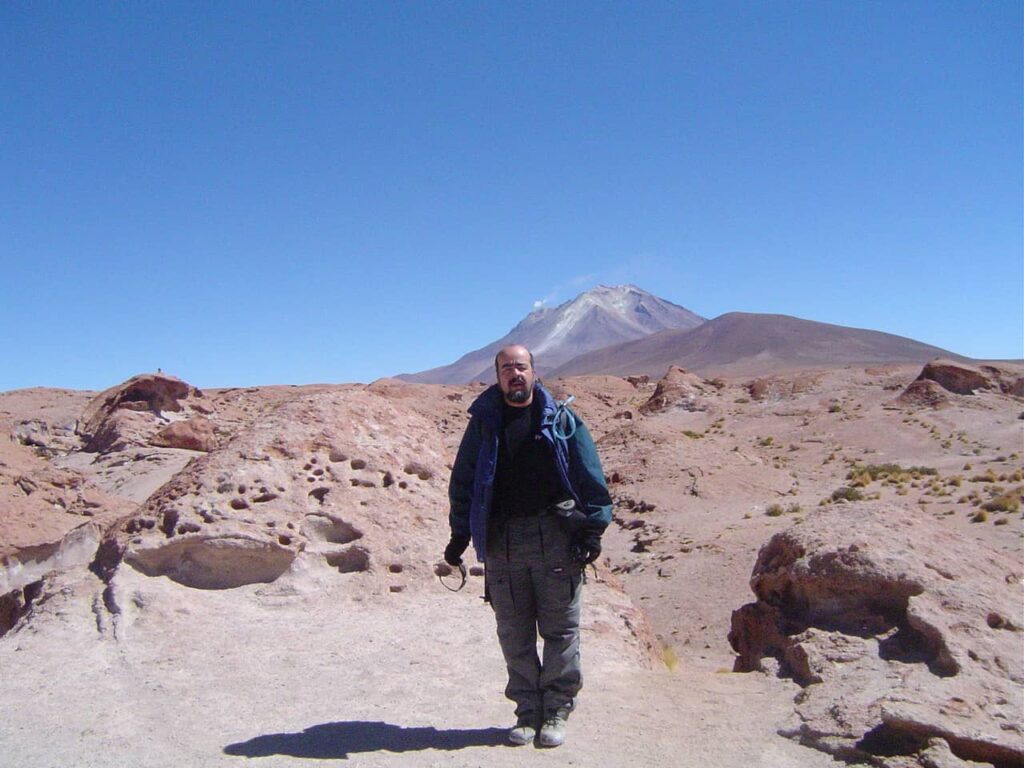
(528, 491)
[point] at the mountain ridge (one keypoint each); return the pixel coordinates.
(593, 319)
(747, 343)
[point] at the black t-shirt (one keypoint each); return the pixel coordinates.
(526, 481)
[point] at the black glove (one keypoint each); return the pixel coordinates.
(587, 547)
(453, 552)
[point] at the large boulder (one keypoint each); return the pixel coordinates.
(959, 378)
(679, 389)
(771, 388)
(129, 413)
(898, 633)
(195, 434)
(923, 393)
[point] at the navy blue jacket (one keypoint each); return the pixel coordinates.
(472, 480)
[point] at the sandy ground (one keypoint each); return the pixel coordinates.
(302, 674)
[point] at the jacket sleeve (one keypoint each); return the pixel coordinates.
(588, 478)
(460, 486)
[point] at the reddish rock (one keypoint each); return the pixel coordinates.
(923, 393)
(781, 387)
(124, 415)
(956, 377)
(678, 389)
(195, 434)
(897, 632)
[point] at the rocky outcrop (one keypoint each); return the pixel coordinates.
(940, 379)
(311, 477)
(960, 378)
(923, 393)
(896, 635)
(679, 389)
(782, 387)
(124, 414)
(194, 434)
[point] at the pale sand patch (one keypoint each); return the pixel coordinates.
(283, 675)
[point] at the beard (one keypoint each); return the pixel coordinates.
(517, 396)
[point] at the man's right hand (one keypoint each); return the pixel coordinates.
(456, 546)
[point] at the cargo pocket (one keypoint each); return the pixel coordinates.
(499, 591)
(561, 585)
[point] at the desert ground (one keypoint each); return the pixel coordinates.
(812, 568)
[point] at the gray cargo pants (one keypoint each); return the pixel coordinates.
(534, 587)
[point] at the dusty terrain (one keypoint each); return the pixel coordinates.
(248, 576)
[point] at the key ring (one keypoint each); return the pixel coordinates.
(441, 574)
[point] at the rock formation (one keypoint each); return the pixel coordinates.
(131, 412)
(896, 634)
(678, 389)
(961, 378)
(194, 434)
(925, 393)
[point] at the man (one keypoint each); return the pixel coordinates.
(529, 492)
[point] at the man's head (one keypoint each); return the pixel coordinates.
(514, 367)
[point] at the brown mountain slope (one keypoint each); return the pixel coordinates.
(741, 343)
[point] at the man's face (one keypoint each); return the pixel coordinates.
(515, 376)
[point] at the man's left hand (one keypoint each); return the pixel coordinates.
(587, 547)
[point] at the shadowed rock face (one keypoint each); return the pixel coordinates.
(896, 635)
(956, 377)
(117, 416)
(964, 379)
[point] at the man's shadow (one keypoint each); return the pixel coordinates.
(339, 740)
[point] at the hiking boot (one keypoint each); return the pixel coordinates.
(524, 731)
(552, 733)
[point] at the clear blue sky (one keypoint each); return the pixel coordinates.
(252, 193)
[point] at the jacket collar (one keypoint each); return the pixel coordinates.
(488, 405)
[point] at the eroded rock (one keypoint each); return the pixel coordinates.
(923, 393)
(887, 624)
(679, 389)
(214, 562)
(124, 414)
(960, 378)
(194, 434)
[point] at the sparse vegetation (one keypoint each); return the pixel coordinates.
(846, 493)
(692, 435)
(776, 510)
(878, 471)
(1008, 501)
(670, 657)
